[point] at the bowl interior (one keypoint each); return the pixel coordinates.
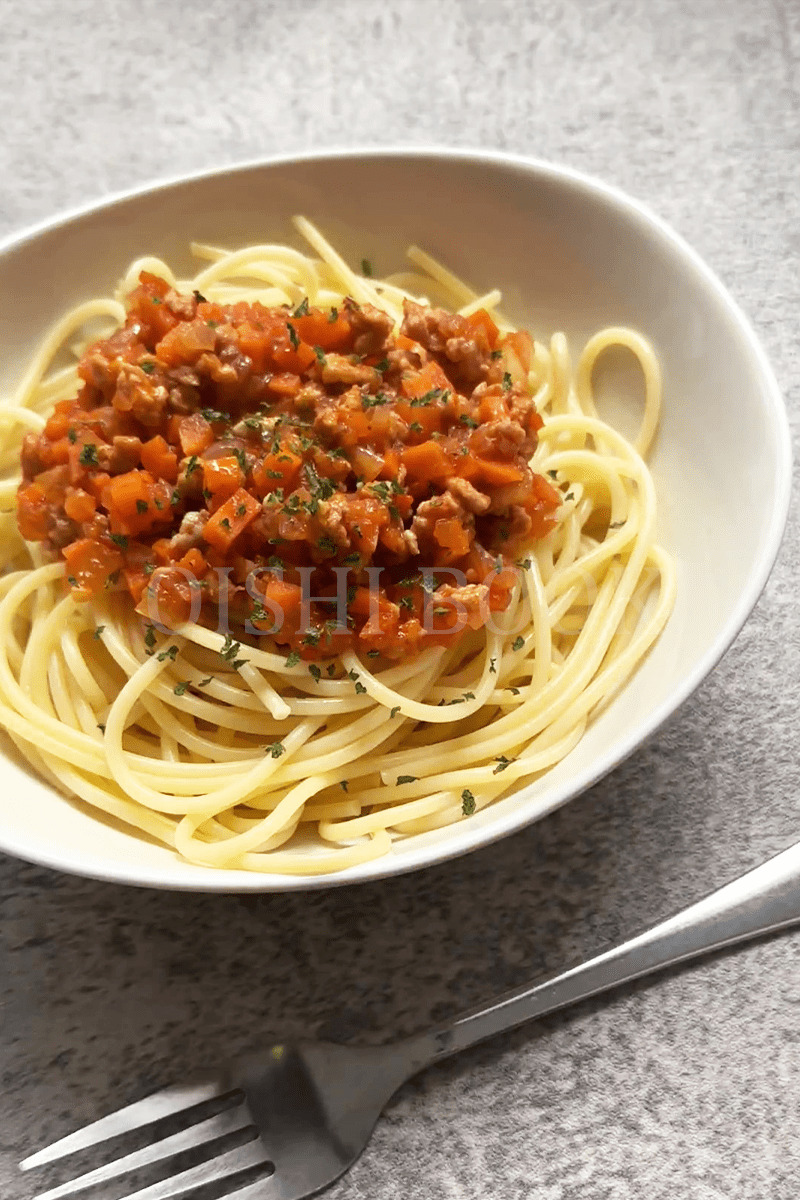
(568, 255)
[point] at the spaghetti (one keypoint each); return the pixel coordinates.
(238, 755)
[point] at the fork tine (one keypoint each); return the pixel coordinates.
(226, 1166)
(144, 1112)
(195, 1137)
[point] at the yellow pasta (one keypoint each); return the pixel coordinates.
(268, 768)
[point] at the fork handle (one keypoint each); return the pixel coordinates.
(765, 899)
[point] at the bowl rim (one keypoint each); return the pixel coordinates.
(469, 838)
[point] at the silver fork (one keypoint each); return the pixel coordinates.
(286, 1124)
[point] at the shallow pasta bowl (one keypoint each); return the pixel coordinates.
(568, 254)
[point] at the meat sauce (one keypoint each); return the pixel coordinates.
(233, 456)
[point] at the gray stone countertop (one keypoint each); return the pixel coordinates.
(684, 1086)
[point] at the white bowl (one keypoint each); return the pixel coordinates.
(569, 253)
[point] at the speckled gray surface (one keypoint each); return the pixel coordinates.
(688, 1086)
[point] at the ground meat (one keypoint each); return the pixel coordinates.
(370, 326)
(429, 512)
(519, 525)
(472, 360)
(62, 531)
(431, 327)
(136, 394)
(331, 516)
(189, 535)
(410, 539)
(123, 455)
(182, 306)
(473, 596)
(31, 457)
(97, 370)
(404, 360)
(182, 403)
(338, 369)
(184, 375)
(473, 500)
(504, 438)
(450, 335)
(212, 366)
(331, 414)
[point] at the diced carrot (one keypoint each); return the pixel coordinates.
(90, 566)
(146, 303)
(154, 285)
(287, 357)
(391, 465)
(317, 329)
(222, 476)
(255, 344)
(427, 461)
(195, 434)
(168, 598)
(159, 460)
(57, 426)
(81, 454)
(136, 580)
(284, 384)
(545, 491)
(33, 511)
(430, 378)
(231, 519)
(286, 596)
(452, 535)
(125, 494)
(79, 505)
(173, 429)
(361, 603)
(96, 484)
(277, 471)
(193, 562)
(355, 429)
(136, 502)
(60, 451)
(496, 474)
(492, 408)
(210, 311)
(481, 322)
(521, 344)
(185, 343)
